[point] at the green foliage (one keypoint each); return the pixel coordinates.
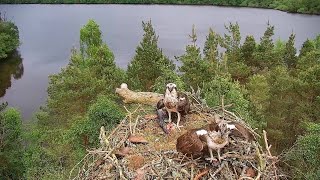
(11, 149)
(305, 154)
(211, 52)
(84, 132)
(90, 37)
(264, 55)
(307, 46)
(284, 108)
(310, 90)
(279, 51)
(232, 93)
(46, 155)
(236, 65)
(167, 77)
(231, 42)
(105, 113)
(149, 62)
(67, 125)
(258, 91)
(194, 69)
(210, 49)
(88, 74)
(290, 53)
(247, 52)
(309, 60)
(9, 38)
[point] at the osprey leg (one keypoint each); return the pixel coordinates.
(211, 156)
(219, 157)
(169, 113)
(179, 117)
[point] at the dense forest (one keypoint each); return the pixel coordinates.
(293, 6)
(271, 84)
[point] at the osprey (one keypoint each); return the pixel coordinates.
(174, 102)
(239, 130)
(196, 142)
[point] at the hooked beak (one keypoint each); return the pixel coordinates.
(170, 89)
(231, 127)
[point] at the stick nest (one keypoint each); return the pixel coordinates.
(120, 158)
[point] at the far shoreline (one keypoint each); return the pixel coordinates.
(165, 4)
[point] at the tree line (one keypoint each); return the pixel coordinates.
(293, 6)
(268, 83)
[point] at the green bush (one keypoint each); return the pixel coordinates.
(304, 157)
(11, 150)
(84, 131)
(9, 38)
(105, 113)
(232, 92)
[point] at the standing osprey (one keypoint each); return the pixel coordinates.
(214, 136)
(174, 102)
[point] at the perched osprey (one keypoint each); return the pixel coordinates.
(218, 139)
(197, 142)
(174, 102)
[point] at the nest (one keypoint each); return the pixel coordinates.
(138, 149)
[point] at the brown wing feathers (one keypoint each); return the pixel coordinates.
(189, 143)
(183, 105)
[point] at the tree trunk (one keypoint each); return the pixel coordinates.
(148, 98)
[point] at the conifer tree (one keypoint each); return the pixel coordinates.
(264, 55)
(247, 51)
(148, 61)
(211, 53)
(258, 90)
(232, 43)
(194, 69)
(279, 52)
(307, 46)
(90, 72)
(283, 114)
(290, 53)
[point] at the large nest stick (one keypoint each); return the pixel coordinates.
(241, 159)
(148, 98)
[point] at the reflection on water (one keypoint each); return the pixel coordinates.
(10, 67)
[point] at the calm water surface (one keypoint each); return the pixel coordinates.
(48, 32)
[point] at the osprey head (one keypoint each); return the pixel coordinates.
(171, 86)
(226, 128)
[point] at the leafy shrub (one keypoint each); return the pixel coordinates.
(84, 131)
(9, 38)
(105, 113)
(304, 157)
(11, 150)
(232, 92)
